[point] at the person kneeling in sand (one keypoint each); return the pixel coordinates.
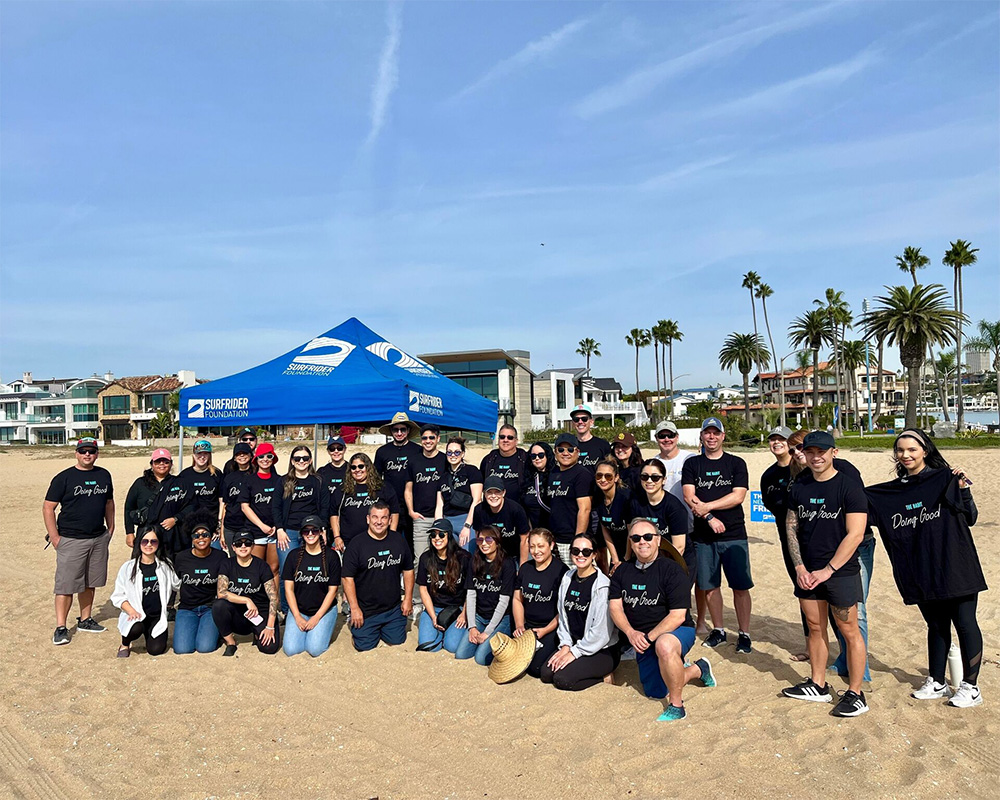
(142, 592)
(651, 604)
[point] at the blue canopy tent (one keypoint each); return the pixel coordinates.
(350, 374)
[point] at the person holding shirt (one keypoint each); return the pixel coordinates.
(508, 462)
(311, 576)
(626, 453)
(506, 516)
(535, 489)
(142, 592)
(262, 499)
(334, 474)
(461, 489)
(442, 576)
(81, 536)
(374, 565)
(487, 605)
(425, 474)
(569, 495)
(826, 522)
(303, 495)
(592, 448)
(351, 504)
(236, 472)
(613, 502)
(715, 484)
(391, 460)
(588, 651)
(924, 517)
(247, 599)
(650, 602)
(535, 600)
(198, 571)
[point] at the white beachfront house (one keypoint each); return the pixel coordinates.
(53, 411)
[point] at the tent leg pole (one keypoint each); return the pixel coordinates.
(180, 447)
(315, 443)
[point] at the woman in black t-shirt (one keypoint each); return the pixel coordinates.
(198, 570)
(247, 599)
(535, 488)
(629, 459)
(442, 575)
(311, 577)
(490, 588)
(261, 499)
(612, 502)
(664, 510)
(361, 489)
(535, 596)
(238, 469)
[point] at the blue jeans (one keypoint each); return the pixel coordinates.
(314, 642)
(388, 627)
(428, 634)
(294, 540)
(456, 640)
(866, 557)
(457, 522)
(194, 630)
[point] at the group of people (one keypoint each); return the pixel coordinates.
(581, 553)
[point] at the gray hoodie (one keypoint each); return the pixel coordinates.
(600, 631)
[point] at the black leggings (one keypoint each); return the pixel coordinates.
(550, 643)
(155, 645)
(584, 672)
(940, 615)
(229, 619)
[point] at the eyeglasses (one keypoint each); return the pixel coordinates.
(201, 535)
(336, 448)
(163, 461)
(568, 448)
(149, 542)
(586, 552)
(666, 435)
(87, 452)
(431, 438)
(537, 456)
(453, 453)
(650, 477)
(604, 476)
(400, 429)
(642, 537)
(358, 467)
(309, 532)
(267, 456)
(249, 439)
(485, 539)
(506, 437)
(301, 459)
(438, 535)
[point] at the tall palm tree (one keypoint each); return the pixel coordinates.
(588, 348)
(762, 293)
(852, 356)
(910, 318)
(960, 254)
(836, 309)
(657, 333)
(988, 341)
(743, 351)
(878, 378)
(750, 282)
(671, 333)
(810, 330)
(638, 337)
(945, 367)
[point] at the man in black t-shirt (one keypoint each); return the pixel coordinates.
(391, 460)
(507, 462)
(425, 473)
(826, 523)
(506, 516)
(332, 475)
(592, 448)
(570, 495)
(374, 563)
(715, 484)
(81, 535)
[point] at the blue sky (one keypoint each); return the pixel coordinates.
(207, 185)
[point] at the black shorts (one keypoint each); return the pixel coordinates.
(841, 591)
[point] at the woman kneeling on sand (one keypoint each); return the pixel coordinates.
(142, 592)
(442, 578)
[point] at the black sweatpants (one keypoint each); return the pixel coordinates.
(155, 645)
(583, 672)
(229, 619)
(940, 615)
(550, 643)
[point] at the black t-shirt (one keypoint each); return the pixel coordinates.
(510, 469)
(460, 480)
(172, 501)
(198, 576)
(426, 475)
(712, 479)
(391, 460)
(352, 509)
(565, 486)
(440, 593)
(264, 496)
(821, 508)
(232, 488)
(774, 485)
(615, 516)
(649, 595)
(311, 580)
(308, 497)
(848, 470)
(511, 520)
(376, 566)
(593, 451)
(249, 581)
(332, 478)
(489, 590)
(202, 489)
(82, 495)
(537, 516)
(670, 518)
(577, 604)
(151, 604)
(539, 592)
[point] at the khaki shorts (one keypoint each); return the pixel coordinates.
(81, 564)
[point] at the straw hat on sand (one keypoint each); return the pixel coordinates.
(511, 657)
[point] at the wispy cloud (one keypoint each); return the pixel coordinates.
(683, 171)
(388, 72)
(642, 82)
(530, 53)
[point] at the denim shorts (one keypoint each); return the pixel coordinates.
(733, 558)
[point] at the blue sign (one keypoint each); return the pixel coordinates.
(757, 511)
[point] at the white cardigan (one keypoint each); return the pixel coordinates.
(600, 629)
(128, 589)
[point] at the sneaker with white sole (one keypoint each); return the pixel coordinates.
(715, 638)
(966, 696)
(932, 690)
(61, 636)
(809, 690)
(89, 625)
(852, 704)
(707, 676)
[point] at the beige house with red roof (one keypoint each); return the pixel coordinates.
(128, 405)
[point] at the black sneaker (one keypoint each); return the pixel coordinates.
(61, 636)
(808, 690)
(171, 615)
(715, 638)
(230, 650)
(851, 704)
(743, 643)
(89, 625)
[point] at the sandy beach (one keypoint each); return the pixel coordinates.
(394, 723)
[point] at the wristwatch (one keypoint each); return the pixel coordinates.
(710, 516)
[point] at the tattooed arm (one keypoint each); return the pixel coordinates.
(792, 528)
(272, 602)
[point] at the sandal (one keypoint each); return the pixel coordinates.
(124, 651)
(799, 657)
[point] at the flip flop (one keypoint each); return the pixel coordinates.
(799, 657)
(124, 653)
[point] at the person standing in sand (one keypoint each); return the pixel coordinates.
(391, 460)
(592, 448)
(84, 495)
(508, 462)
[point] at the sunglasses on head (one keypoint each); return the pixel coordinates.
(453, 453)
(650, 477)
(565, 448)
(88, 451)
(485, 539)
(537, 456)
(150, 542)
(202, 534)
(586, 552)
(506, 437)
(642, 537)
(358, 467)
(666, 435)
(301, 459)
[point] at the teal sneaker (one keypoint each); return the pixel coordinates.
(672, 713)
(707, 676)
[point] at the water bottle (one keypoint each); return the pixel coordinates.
(955, 673)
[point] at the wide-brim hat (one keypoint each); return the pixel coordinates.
(511, 656)
(400, 418)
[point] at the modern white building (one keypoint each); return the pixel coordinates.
(53, 411)
(557, 391)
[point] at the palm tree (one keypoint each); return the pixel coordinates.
(743, 351)
(750, 282)
(852, 356)
(838, 313)
(988, 341)
(588, 348)
(910, 318)
(945, 366)
(960, 254)
(638, 337)
(810, 330)
(671, 333)
(762, 293)
(657, 334)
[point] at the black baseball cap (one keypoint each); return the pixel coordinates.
(820, 439)
(247, 432)
(312, 521)
(442, 525)
(567, 438)
(493, 482)
(242, 536)
(242, 447)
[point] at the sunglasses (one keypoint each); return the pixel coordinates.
(430, 438)
(358, 467)
(438, 535)
(268, 456)
(565, 449)
(578, 420)
(537, 456)
(301, 459)
(586, 552)
(453, 453)
(604, 476)
(401, 429)
(485, 539)
(506, 437)
(666, 435)
(336, 448)
(309, 532)
(163, 461)
(650, 477)
(249, 439)
(150, 542)
(642, 537)
(201, 535)
(88, 452)
(243, 543)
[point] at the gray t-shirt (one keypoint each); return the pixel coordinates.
(672, 481)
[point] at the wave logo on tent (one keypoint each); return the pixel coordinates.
(331, 354)
(412, 365)
(421, 403)
(196, 409)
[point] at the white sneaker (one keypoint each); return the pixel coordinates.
(967, 696)
(932, 690)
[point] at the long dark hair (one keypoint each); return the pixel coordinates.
(616, 467)
(480, 566)
(634, 456)
(452, 572)
(600, 548)
(373, 480)
(290, 478)
(161, 552)
(550, 458)
(932, 456)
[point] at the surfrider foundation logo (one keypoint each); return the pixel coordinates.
(196, 409)
(414, 401)
(414, 366)
(325, 354)
(421, 403)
